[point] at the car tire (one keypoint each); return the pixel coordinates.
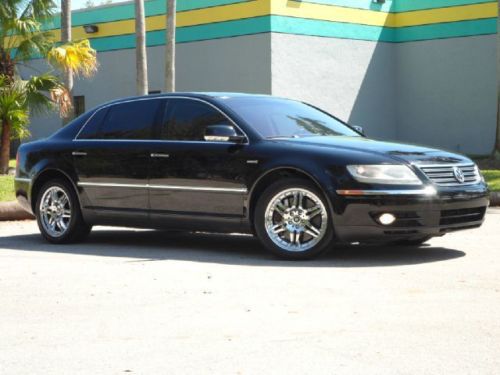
(58, 213)
(292, 219)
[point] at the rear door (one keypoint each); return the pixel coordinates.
(111, 156)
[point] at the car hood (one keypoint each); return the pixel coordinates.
(397, 151)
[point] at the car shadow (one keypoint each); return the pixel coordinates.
(151, 245)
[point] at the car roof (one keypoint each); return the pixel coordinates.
(199, 95)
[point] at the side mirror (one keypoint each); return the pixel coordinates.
(222, 133)
(359, 129)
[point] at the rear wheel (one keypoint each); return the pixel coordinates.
(292, 220)
(58, 213)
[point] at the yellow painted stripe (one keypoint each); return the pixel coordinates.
(188, 18)
(451, 14)
(331, 13)
(368, 17)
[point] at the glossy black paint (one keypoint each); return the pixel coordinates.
(228, 178)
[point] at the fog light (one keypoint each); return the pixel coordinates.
(386, 219)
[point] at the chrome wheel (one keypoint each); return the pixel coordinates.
(296, 219)
(55, 211)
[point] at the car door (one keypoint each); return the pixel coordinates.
(111, 158)
(191, 177)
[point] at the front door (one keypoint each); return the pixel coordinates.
(192, 178)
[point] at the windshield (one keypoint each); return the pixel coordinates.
(283, 118)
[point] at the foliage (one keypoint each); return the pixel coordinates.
(492, 177)
(20, 97)
(7, 188)
(77, 57)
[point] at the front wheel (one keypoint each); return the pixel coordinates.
(292, 220)
(58, 213)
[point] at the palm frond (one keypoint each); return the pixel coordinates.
(37, 44)
(78, 57)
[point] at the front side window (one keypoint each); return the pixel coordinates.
(275, 117)
(131, 120)
(187, 119)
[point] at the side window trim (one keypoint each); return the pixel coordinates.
(166, 99)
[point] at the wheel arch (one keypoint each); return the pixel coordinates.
(46, 175)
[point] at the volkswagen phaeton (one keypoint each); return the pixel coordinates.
(298, 178)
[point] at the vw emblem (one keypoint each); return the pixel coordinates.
(459, 175)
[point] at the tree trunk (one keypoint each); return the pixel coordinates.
(141, 59)
(5, 148)
(66, 37)
(170, 47)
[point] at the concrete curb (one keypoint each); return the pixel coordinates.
(13, 211)
(495, 198)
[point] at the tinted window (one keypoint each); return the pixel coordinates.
(91, 129)
(275, 117)
(187, 119)
(132, 120)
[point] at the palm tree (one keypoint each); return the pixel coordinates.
(141, 60)
(65, 38)
(20, 97)
(170, 47)
(21, 39)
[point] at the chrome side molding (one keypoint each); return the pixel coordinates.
(164, 187)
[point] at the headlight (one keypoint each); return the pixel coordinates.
(384, 174)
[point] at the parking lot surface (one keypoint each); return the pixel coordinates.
(152, 302)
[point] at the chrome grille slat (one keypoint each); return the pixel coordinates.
(444, 175)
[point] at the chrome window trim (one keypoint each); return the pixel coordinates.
(163, 187)
(162, 140)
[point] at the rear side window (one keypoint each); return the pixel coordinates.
(187, 119)
(132, 120)
(91, 128)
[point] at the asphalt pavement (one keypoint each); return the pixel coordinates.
(152, 302)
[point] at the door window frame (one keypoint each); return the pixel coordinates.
(155, 131)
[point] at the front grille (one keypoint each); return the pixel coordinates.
(461, 216)
(444, 175)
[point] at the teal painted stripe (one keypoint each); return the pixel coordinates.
(302, 26)
(117, 12)
(188, 34)
(447, 30)
(397, 6)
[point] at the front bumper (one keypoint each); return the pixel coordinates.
(416, 215)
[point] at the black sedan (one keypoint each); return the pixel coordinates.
(295, 176)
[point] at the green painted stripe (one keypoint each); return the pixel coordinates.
(117, 12)
(447, 30)
(397, 6)
(188, 34)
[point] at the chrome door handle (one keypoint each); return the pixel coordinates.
(79, 153)
(156, 155)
